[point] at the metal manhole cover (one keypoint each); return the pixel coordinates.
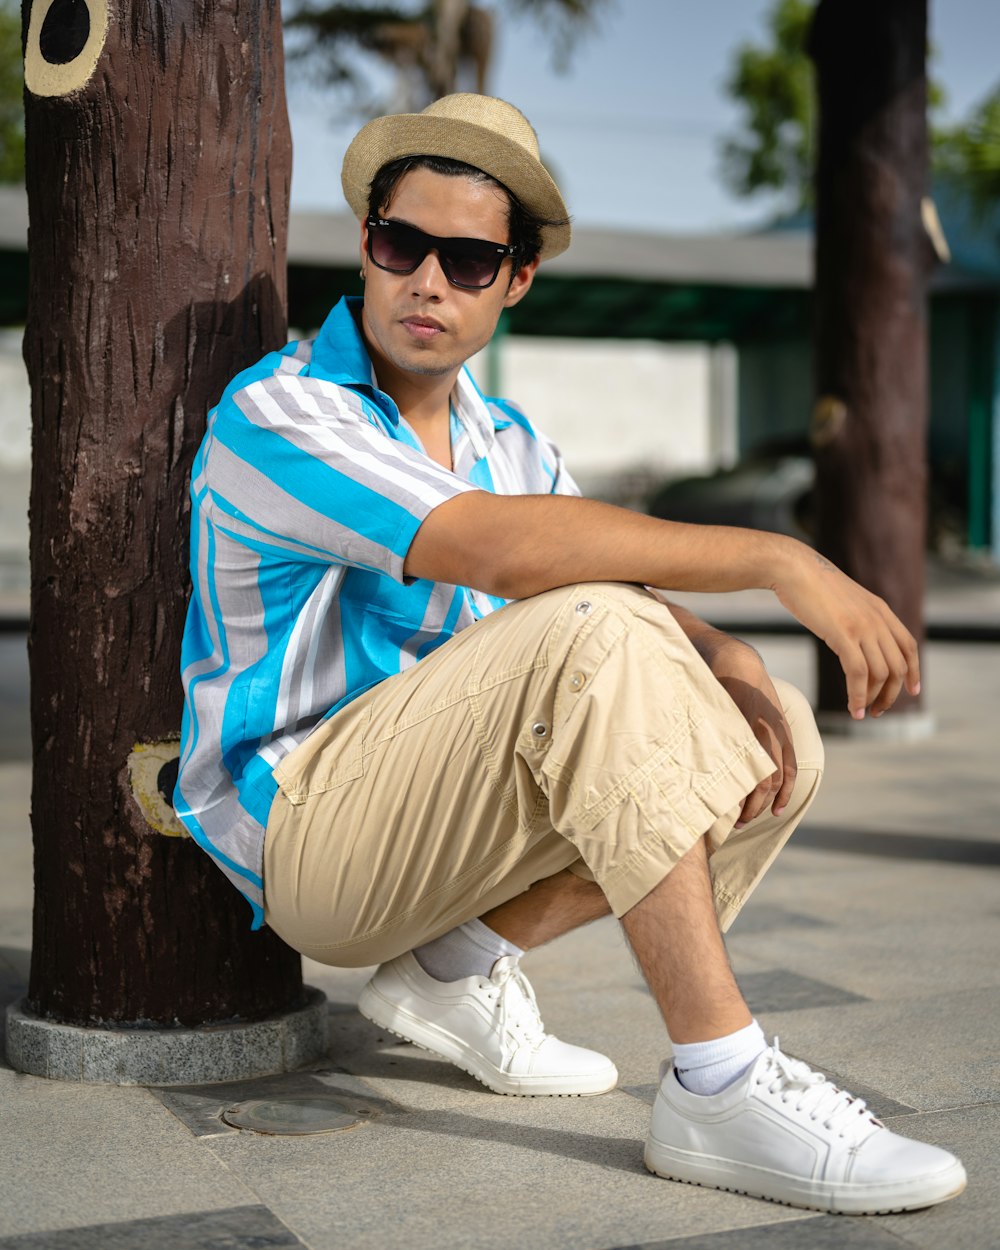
(291, 1116)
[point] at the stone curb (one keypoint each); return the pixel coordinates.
(196, 1056)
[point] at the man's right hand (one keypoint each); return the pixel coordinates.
(877, 652)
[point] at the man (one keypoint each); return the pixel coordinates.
(434, 717)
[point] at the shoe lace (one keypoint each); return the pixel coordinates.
(518, 1010)
(814, 1094)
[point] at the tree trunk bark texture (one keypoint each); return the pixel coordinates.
(873, 259)
(159, 158)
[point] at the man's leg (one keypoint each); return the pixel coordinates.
(546, 910)
(745, 1117)
(579, 725)
(566, 900)
(675, 934)
(550, 908)
(567, 730)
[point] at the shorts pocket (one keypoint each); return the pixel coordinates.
(330, 757)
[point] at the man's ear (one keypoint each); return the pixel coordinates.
(521, 283)
(364, 246)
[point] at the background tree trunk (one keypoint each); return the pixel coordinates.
(873, 258)
(158, 164)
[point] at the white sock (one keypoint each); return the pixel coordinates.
(471, 950)
(708, 1067)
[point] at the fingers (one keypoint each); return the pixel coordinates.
(908, 650)
(886, 676)
(789, 774)
(775, 791)
(855, 666)
(883, 661)
(758, 800)
(877, 652)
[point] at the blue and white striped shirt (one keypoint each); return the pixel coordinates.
(306, 494)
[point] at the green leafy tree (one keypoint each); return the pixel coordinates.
(969, 154)
(11, 94)
(774, 85)
(430, 49)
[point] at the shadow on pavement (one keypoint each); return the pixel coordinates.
(912, 846)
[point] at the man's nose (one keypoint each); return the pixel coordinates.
(428, 279)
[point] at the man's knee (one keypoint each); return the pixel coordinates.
(550, 626)
(581, 599)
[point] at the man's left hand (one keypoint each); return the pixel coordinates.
(741, 673)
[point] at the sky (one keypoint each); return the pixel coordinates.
(632, 131)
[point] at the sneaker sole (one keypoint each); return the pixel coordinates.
(690, 1168)
(401, 1023)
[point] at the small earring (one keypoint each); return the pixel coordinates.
(361, 274)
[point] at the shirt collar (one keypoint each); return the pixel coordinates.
(339, 352)
(480, 418)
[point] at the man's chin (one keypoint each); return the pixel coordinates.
(426, 366)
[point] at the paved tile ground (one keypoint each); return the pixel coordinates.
(871, 949)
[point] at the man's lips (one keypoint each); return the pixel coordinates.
(423, 328)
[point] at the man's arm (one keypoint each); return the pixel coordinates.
(518, 546)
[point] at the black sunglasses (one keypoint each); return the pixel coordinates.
(468, 263)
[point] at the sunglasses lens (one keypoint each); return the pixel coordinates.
(395, 247)
(471, 264)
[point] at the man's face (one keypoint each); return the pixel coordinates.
(418, 323)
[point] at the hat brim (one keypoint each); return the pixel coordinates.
(416, 134)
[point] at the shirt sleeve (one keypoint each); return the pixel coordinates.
(295, 464)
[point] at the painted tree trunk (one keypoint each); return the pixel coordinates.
(158, 162)
(873, 258)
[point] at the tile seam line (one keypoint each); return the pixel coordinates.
(307, 1245)
(202, 1143)
(962, 1106)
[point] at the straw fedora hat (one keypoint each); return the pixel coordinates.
(480, 130)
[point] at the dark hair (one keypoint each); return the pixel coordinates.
(524, 227)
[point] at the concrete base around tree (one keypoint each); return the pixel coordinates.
(226, 1052)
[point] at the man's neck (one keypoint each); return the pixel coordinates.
(425, 403)
(423, 400)
(421, 405)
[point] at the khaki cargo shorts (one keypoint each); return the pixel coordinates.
(576, 729)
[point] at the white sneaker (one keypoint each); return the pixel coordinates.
(489, 1027)
(785, 1133)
